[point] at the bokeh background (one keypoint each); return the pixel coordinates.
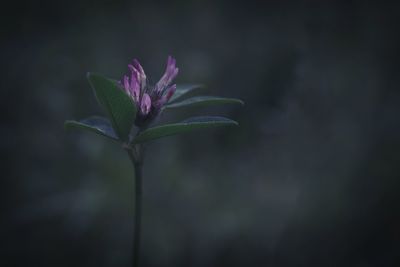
(310, 178)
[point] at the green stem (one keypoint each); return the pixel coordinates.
(137, 163)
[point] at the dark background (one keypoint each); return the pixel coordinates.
(310, 178)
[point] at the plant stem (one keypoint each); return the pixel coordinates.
(137, 163)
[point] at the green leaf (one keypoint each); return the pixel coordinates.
(120, 108)
(204, 101)
(181, 127)
(182, 89)
(98, 125)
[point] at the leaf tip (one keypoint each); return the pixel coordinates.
(67, 124)
(91, 76)
(233, 123)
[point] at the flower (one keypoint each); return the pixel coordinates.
(149, 99)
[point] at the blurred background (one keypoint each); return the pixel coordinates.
(310, 178)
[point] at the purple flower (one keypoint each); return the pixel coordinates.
(149, 99)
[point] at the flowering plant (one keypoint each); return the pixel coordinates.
(132, 105)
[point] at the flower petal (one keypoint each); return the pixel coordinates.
(170, 73)
(168, 94)
(145, 104)
(126, 85)
(135, 88)
(137, 66)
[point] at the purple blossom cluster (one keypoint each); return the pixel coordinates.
(149, 99)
